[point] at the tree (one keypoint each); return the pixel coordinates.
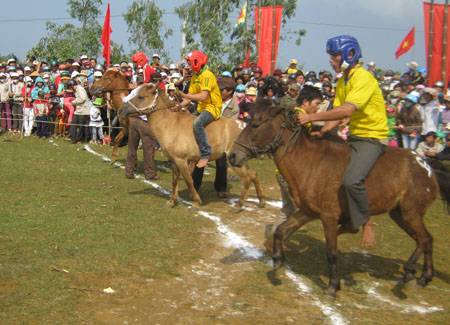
(68, 41)
(212, 33)
(148, 32)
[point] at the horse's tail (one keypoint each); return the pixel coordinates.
(443, 178)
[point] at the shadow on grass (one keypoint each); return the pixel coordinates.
(308, 259)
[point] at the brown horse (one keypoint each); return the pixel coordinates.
(174, 131)
(400, 183)
(114, 82)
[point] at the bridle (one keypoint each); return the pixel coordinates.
(271, 147)
(289, 123)
(112, 88)
(150, 108)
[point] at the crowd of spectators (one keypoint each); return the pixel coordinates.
(49, 99)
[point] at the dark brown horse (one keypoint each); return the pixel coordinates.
(174, 131)
(114, 82)
(400, 183)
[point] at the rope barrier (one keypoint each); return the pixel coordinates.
(56, 123)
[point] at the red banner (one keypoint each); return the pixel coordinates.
(435, 70)
(106, 37)
(406, 44)
(265, 45)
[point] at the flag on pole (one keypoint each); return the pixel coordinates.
(406, 44)
(246, 63)
(241, 21)
(106, 37)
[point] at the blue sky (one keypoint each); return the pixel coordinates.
(379, 26)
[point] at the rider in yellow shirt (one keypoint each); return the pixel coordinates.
(204, 90)
(358, 97)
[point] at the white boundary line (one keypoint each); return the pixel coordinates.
(235, 240)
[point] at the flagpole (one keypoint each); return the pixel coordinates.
(273, 38)
(259, 26)
(245, 29)
(430, 38)
(444, 44)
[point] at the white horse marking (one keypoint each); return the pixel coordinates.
(422, 163)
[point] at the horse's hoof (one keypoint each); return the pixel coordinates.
(422, 282)
(407, 277)
(262, 204)
(236, 209)
(196, 205)
(413, 286)
(170, 204)
(278, 265)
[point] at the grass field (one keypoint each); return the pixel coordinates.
(71, 225)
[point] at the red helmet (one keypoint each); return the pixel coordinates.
(197, 59)
(139, 58)
(257, 69)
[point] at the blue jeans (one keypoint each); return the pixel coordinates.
(41, 126)
(201, 137)
(410, 143)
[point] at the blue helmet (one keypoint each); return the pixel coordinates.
(412, 98)
(344, 44)
(226, 74)
(240, 87)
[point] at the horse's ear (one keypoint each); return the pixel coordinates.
(275, 110)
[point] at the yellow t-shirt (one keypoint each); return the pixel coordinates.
(361, 89)
(206, 80)
(302, 111)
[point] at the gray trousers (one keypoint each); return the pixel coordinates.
(365, 152)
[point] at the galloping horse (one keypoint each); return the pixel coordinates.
(400, 183)
(115, 82)
(174, 131)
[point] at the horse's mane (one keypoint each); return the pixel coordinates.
(271, 107)
(116, 73)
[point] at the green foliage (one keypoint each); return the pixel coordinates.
(5, 58)
(68, 41)
(85, 11)
(216, 28)
(147, 30)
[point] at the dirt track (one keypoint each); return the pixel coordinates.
(233, 282)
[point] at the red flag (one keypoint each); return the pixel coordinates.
(406, 44)
(106, 37)
(265, 45)
(247, 59)
(434, 72)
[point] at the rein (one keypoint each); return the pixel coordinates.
(151, 107)
(289, 123)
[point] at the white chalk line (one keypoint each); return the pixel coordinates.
(249, 250)
(235, 240)
(403, 308)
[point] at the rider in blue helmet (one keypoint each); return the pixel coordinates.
(359, 98)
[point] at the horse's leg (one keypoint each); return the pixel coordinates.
(116, 144)
(283, 232)
(255, 180)
(246, 181)
(330, 227)
(175, 178)
(184, 169)
(413, 225)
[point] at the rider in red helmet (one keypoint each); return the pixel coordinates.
(140, 59)
(204, 90)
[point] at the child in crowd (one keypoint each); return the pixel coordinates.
(28, 111)
(54, 103)
(41, 109)
(96, 124)
(392, 124)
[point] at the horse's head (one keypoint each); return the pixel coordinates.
(260, 134)
(110, 81)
